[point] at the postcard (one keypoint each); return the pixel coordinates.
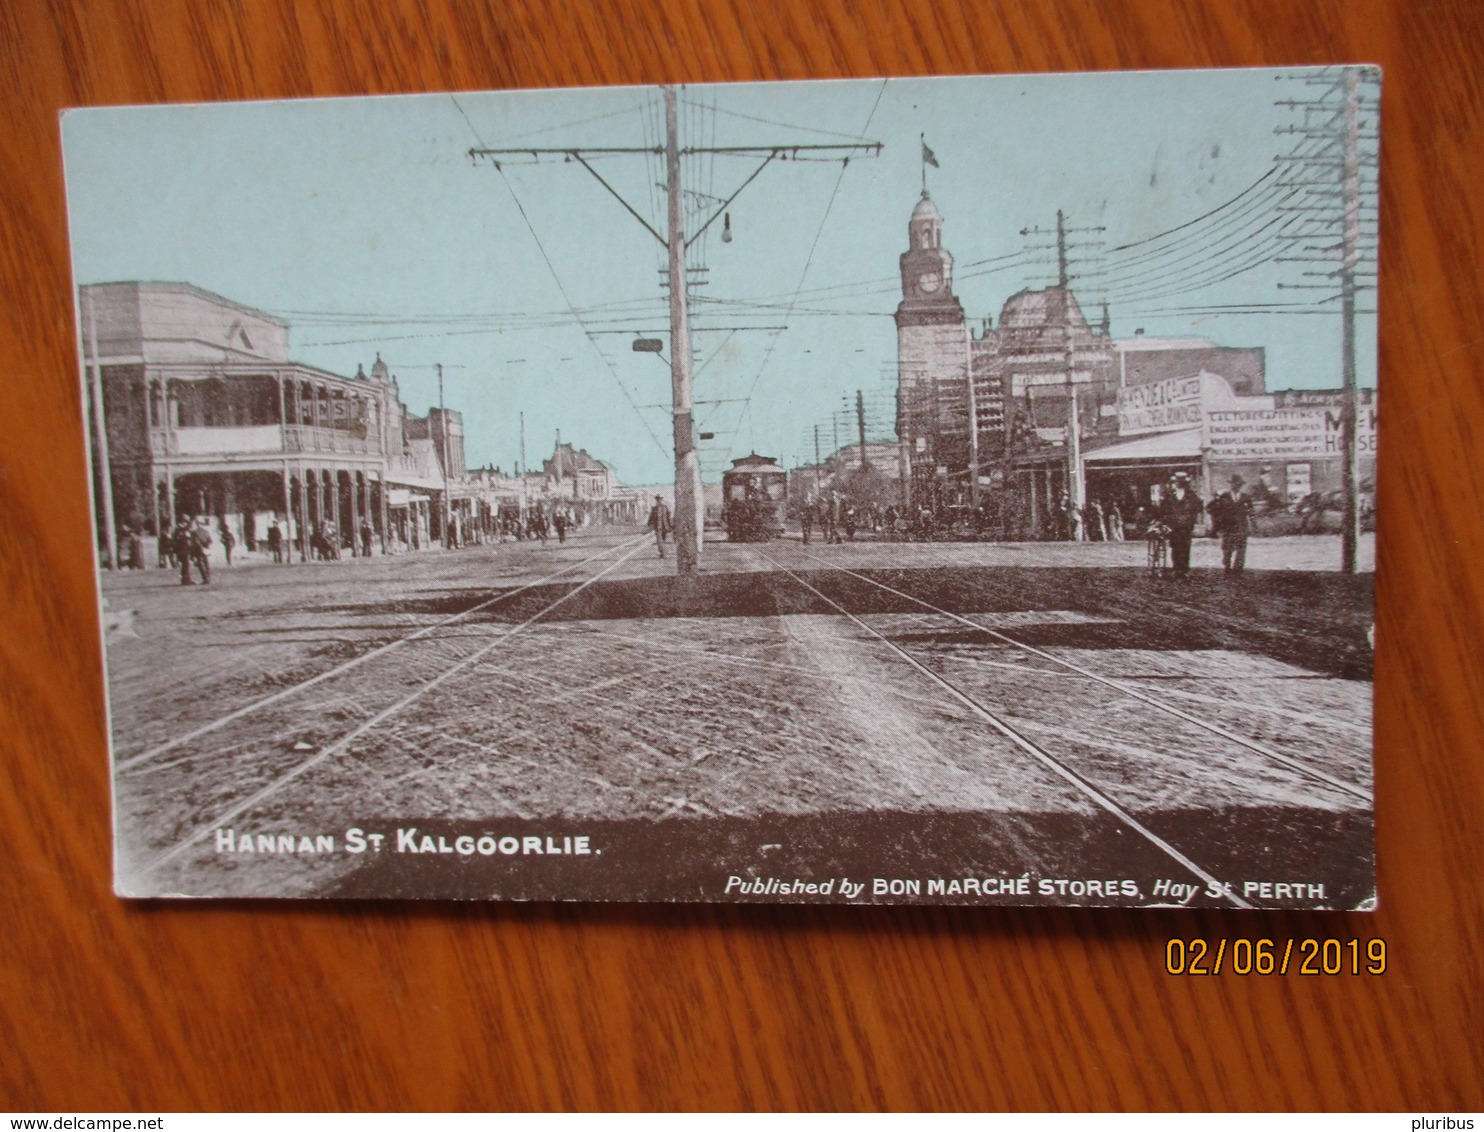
(951, 490)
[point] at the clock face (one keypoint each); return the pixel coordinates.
(929, 282)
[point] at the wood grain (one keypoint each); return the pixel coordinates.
(111, 1005)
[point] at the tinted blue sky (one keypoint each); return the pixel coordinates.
(365, 224)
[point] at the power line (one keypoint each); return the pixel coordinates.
(562, 288)
(809, 259)
(1196, 220)
(1197, 243)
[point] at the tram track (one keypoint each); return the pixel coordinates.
(427, 631)
(1297, 766)
(1039, 754)
(280, 778)
(780, 711)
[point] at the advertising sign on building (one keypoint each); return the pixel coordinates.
(1261, 434)
(1160, 406)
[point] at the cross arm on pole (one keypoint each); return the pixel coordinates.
(778, 150)
(568, 151)
(576, 155)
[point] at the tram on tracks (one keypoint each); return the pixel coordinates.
(754, 499)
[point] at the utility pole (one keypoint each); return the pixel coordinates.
(100, 436)
(1076, 485)
(1336, 216)
(521, 471)
(860, 419)
(443, 461)
(1350, 256)
(973, 425)
(816, 446)
(689, 501)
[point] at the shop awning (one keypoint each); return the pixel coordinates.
(1184, 446)
(401, 497)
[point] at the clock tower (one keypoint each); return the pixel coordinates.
(932, 357)
(927, 270)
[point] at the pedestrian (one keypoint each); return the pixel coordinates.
(275, 541)
(1179, 511)
(559, 520)
(165, 547)
(201, 549)
(181, 544)
(829, 517)
(659, 523)
(1232, 516)
(1065, 528)
(228, 539)
(367, 533)
(847, 520)
(1113, 517)
(131, 549)
(1094, 521)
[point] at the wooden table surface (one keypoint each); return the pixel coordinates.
(110, 1005)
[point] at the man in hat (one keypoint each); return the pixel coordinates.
(659, 523)
(1232, 516)
(180, 543)
(200, 535)
(1180, 510)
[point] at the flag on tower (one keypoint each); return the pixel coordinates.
(928, 157)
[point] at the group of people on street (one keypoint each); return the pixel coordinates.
(1232, 518)
(836, 518)
(190, 547)
(539, 522)
(1096, 522)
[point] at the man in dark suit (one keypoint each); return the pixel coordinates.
(1232, 516)
(181, 544)
(200, 536)
(660, 523)
(1180, 510)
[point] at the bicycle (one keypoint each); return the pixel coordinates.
(1158, 537)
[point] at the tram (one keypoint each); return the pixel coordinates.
(754, 499)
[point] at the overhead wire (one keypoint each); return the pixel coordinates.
(557, 279)
(608, 362)
(809, 259)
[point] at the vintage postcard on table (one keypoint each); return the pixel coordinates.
(894, 491)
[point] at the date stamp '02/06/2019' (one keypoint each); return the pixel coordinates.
(1246, 956)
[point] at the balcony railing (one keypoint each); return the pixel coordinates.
(255, 439)
(307, 438)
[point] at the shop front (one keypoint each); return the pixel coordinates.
(1131, 476)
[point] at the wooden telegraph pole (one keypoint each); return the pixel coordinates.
(104, 470)
(1335, 218)
(443, 462)
(1350, 253)
(688, 498)
(689, 501)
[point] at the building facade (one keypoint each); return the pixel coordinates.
(987, 418)
(204, 414)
